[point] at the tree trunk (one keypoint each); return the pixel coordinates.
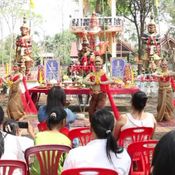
(99, 7)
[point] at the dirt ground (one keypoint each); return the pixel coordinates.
(122, 102)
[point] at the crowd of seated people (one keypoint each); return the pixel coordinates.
(103, 151)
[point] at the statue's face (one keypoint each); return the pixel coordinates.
(15, 68)
(24, 31)
(164, 65)
(151, 28)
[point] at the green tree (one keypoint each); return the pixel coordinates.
(167, 7)
(60, 45)
(100, 6)
(11, 14)
(48, 44)
(136, 11)
(6, 51)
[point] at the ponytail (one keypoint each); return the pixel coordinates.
(111, 145)
(102, 123)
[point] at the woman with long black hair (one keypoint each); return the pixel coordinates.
(103, 151)
(56, 98)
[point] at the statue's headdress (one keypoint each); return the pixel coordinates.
(164, 62)
(85, 42)
(152, 22)
(25, 25)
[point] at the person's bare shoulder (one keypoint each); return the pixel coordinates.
(148, 114)
(119, 124)
(122, 120)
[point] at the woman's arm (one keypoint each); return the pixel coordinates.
(42, 115)
(71, 117)
(119, 124)
(155, 123)
(6, 79)
(107, 82)
(172, 74)
(19, 78)
(88, 81)
(30, 130)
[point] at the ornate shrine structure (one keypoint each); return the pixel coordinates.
(97, 30)
(96, 35)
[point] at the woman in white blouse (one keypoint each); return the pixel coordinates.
(103, 151)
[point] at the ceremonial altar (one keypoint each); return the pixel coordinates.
(78, 91)
(35, 92)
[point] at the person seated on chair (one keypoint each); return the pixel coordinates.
(55, 121)
(9, 144)
(103, 151)
(164, 155)
(138, 117)
(10, 126)
(56, 97)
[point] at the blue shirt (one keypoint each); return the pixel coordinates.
(42, 115)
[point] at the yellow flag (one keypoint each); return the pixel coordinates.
(156, 2)
(32, 4)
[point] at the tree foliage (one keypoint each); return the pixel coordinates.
(5, 50)
(100, 6)
(11, 15)
(168, 7)
(60, 45)
(136, 11)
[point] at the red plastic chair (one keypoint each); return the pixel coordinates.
(83, 134)
(8, 167)
(48, 157)
(42, 126)
(132, 135)
(141, 154)
(89, 171)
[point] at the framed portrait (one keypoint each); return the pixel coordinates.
(52, 70)
(117, 67)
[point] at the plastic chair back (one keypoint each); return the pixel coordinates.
(132, 135)
(42, 126)
(141, 154)
(83, 134)
(48, 157)
(8, 167)
(89, 171)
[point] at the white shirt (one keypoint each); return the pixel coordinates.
(25, 142)
(131, 122)
(94, 155)
(12, 148)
